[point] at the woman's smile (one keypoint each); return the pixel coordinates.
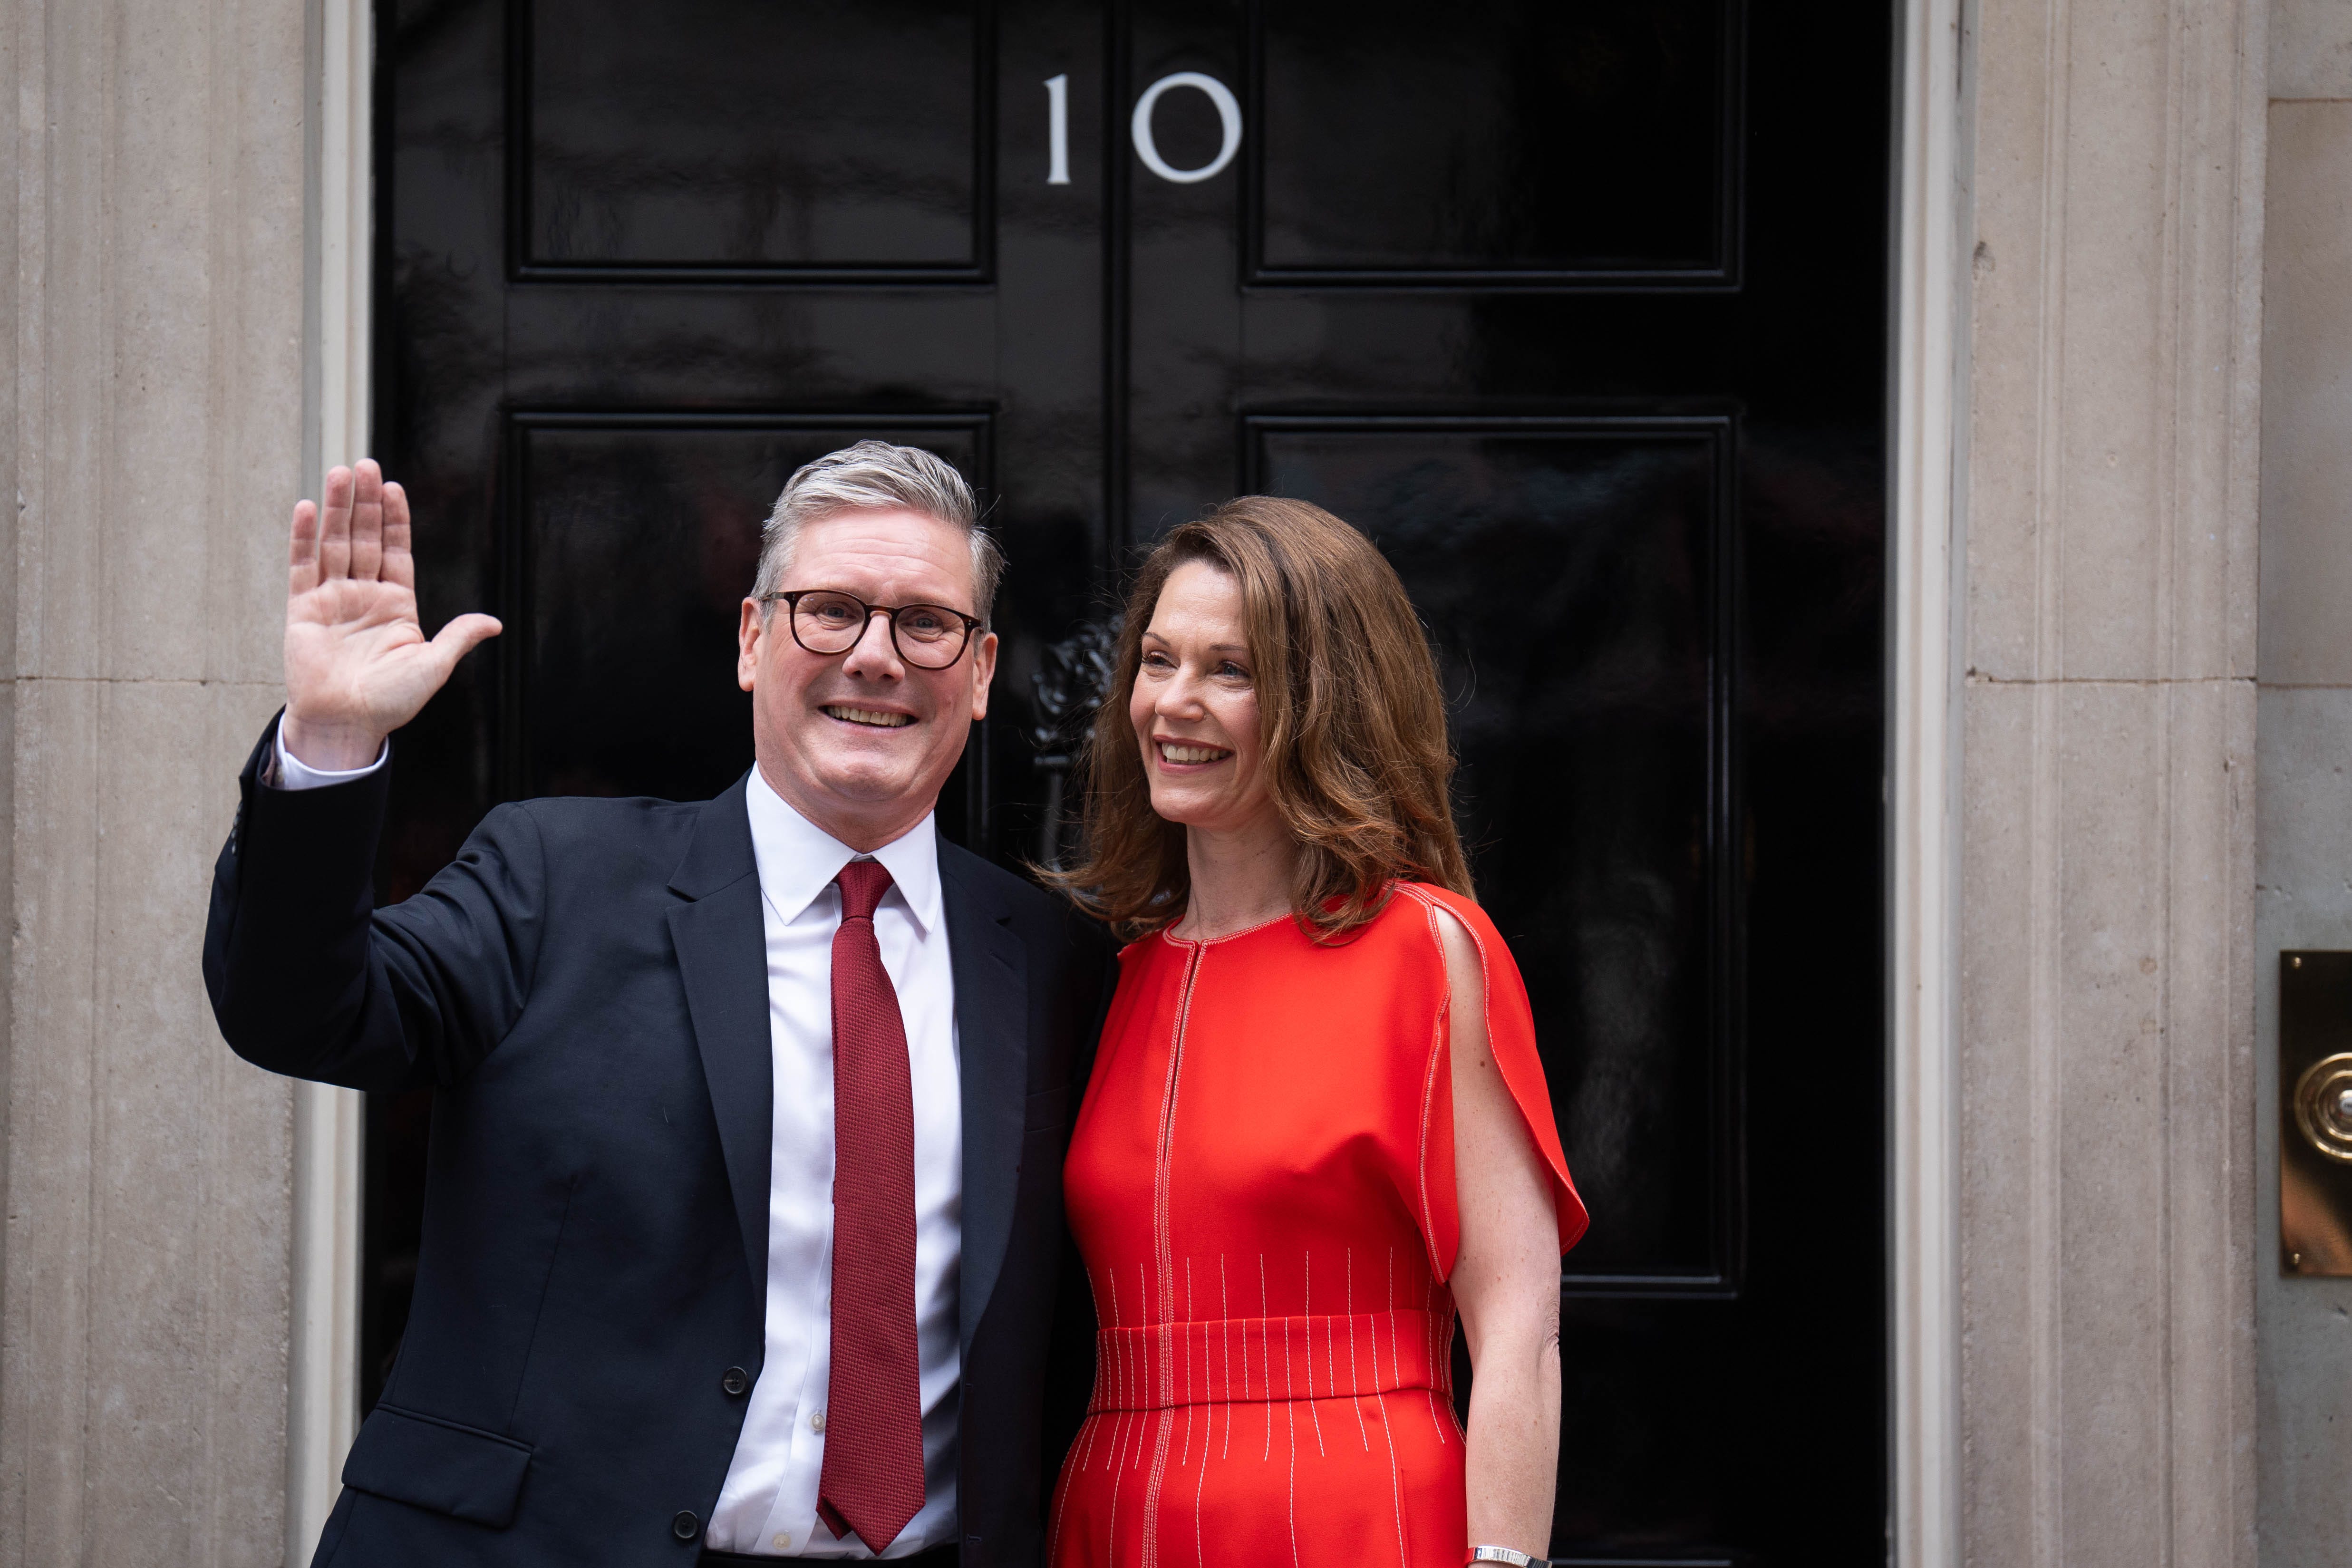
(1188, 756)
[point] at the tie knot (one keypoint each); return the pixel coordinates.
(863, 883)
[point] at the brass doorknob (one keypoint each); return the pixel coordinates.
(2323, 1106)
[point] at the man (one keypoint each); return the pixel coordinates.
(650, 1325)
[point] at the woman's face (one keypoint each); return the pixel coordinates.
(1194, 707)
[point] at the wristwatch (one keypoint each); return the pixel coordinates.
(1505, 1554)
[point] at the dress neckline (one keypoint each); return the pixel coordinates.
(1167, 933)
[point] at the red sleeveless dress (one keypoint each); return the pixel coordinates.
(1261, 1181)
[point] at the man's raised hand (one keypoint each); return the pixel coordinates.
(358, 665)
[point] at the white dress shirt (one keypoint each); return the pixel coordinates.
(768, 1505)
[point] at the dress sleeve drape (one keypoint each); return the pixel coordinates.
(1511, 1036)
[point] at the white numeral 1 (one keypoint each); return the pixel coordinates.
(1057, 111)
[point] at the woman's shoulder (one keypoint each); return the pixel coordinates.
(1430, 904)
(1461, 938)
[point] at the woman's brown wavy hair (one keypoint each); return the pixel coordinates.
(1356, 755)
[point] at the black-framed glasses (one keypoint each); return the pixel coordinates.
(828, 621)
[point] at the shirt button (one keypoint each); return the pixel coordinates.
(735, 1380)
(816, 1421)
(783, 1541)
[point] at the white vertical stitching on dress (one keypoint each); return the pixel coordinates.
(1209, 1427)
(1187, 1457)
(1118, 1373)
(1162, 1370)
(1429, 1080)
(1485, 973)
(1388, 1420)
(1225, 1310)
(1200, 1551)
(1143, 1355)
(1311, 1415)
(1245, 1367)
(1118, 1473)
(1396, 1481)
(1117, 1433)
(1291, 1412)
(1396, 1351)
(1265, 1333)
(1355, 1382)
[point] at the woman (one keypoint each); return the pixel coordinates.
(1316, 1128)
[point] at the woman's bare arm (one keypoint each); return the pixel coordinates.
(1506, 1279)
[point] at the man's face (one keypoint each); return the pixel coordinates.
(860, 743)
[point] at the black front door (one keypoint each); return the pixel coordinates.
(1577, 309)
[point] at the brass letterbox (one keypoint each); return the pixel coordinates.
(2316, 1113)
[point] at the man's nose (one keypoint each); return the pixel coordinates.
(874, 654)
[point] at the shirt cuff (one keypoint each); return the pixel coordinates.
(292, 772)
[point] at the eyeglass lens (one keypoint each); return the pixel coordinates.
(928, 636)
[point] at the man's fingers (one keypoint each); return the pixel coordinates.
(399, 564)
(302, 554)
(461, 636)
(367, 522)
(335, 525)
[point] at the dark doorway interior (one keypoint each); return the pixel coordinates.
(1578, 311)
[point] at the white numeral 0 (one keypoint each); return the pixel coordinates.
(1229, 113)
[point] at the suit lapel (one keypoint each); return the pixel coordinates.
(992, 1032)
(722, 955)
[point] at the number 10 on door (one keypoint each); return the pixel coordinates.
(1147, 147)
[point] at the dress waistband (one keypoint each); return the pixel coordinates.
(1246, 1359)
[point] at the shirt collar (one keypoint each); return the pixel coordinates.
(798, 859)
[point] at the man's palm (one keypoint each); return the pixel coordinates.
(358, 665)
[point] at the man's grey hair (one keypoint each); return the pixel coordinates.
(874, 474)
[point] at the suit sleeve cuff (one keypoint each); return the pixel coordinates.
(289, 772)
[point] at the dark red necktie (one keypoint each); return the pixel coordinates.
(873, 1477)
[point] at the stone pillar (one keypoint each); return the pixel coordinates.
(2108, 483)
(152, 409)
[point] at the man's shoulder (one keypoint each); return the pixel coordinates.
(601, 816)
(632, 837)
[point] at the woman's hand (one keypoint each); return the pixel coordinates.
(1506, 1278)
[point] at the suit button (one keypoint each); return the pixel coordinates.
(686, 1527)
(735, 1380)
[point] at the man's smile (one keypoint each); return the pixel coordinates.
(874, 717)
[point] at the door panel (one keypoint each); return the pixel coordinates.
(845, 141)
(1545, 145)
(1577, 312)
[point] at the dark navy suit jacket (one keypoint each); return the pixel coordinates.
(585, 989)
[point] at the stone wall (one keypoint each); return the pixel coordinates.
(2113, 181)
(151, 434)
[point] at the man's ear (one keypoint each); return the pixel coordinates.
(748, 633)
(983, 671)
